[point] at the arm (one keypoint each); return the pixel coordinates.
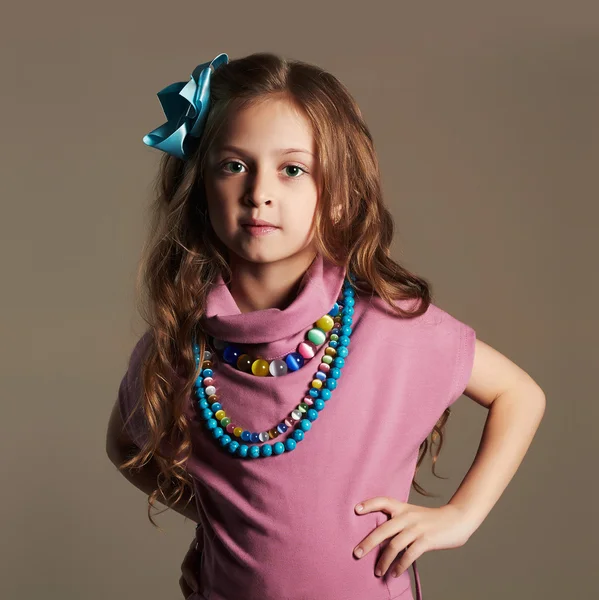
(119, 447)
(516, 406)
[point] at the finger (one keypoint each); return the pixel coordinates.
(413, 552)
(397, 544)
(380, 503)
(377, 536)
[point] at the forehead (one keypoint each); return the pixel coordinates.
(268, 125)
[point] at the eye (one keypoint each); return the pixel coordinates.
(231, 162)
(295, 167)
(297, 170)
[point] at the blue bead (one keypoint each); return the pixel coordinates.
(211, 423)
(207, 373)
(349, 291)
(342, 352)
(246, 436)
(217, 432)
(319, 404)
(254, 452)
(313, 392)
(231, 353)
(282, 428)
(216, 406)
(242, 450)
(224, 439)
(266, 450)
(335, 330)
(344, 340)
(349, 301)
(255, 437)
(335, 373)
(196, 348)
(331, 383)
(207, 414)
(339, 363)
(203, 404)
(290, 444)
(233, 446)
(198, 381)
(325, 393)
(346, 330)
(320, 375)
(294, 361)
(298, 435)
(348, 310)
(312, 414)
(200, 392)
(335, 310)
(305, 424)
(347, 320)
(333, 343)
(278, 448)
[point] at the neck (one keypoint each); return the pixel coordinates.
(258, 286)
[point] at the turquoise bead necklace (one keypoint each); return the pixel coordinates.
(300, 419)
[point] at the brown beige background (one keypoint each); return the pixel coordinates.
(485, 116)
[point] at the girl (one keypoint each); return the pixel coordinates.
(292, 370)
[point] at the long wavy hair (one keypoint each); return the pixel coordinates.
(182, 256)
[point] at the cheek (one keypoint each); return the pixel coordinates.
(300, 214)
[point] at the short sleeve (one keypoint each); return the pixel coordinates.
(130, 391)
(465, 337)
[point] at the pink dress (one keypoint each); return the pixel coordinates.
(284, 527)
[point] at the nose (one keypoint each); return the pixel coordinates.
(259, 190)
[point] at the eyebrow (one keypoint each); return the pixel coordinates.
(279, 151)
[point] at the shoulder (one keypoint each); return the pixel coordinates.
(139, 352)
(376, 310)
(435, 327)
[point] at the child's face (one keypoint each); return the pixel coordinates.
(259, 180)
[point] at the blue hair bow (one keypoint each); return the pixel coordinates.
(185, 105)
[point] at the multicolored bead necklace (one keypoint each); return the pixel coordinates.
(321, 389)
(293, 361)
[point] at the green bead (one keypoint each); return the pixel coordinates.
(327, 359)
(317, 336)
(334, 337)
(303, 407)
(225, 421)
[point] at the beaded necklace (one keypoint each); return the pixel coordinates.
(322, 386)
(233, 355)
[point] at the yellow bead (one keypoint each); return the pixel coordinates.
(273, 433)
(220, 414)
(237, 431)
(316, 383)
(330, 351)
(260, 367)
(325, 323)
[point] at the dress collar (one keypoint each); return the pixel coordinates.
(319, 289)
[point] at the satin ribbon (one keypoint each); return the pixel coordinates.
(185, 105)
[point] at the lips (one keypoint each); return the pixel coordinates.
(259, 229)
(257, 223)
